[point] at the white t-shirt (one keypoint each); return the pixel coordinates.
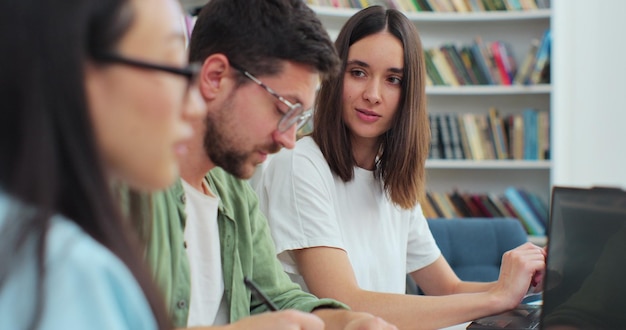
(308, 206)
(207, 305)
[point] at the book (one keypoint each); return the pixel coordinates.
(485, 137)
(516, 136)
(531, 149)
(455, 139)
(460, 204)
(446, 209)
(497, 203)
(433, 203)
(455, 64)
(543, 135)
(541, 70)
(427, 208)
(464, 68)
(478, 201)
(443, 68)
(474, 208)
(497, 134)
(467, 152)
(473, 136)
(431, 70)
(481, 63)
(501, 60)
(487, 56)
(533, 224)
(523, 74)
(476, 5)
(476, 75)
(460, 6)
(444, 135)
(435, 146)
(540, 212)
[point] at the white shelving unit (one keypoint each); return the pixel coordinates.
(516, 27)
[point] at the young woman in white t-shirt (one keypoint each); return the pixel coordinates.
(343, 205)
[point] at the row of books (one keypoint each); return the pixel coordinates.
(461, 6)
(516, 202)
(519, 136)
(488, 63)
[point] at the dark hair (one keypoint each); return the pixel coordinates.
(257, 34)
(49, 162)
(404, 147)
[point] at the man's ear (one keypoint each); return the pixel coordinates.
(215, 69)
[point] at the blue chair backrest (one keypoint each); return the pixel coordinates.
(474, 246)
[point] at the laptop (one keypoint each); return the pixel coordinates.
(585, 281)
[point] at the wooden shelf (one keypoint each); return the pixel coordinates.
(489, 164)
(489, 90)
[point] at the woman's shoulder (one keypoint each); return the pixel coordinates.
(84, 281)
(305, 150)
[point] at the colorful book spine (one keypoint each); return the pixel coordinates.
(534, 225)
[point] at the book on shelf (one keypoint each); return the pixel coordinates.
(435, 146)
(444, 136)
(482, 64)
(428, 208)
(431, 70)
(523, 74)
(490, 136)
(485, 136)
(497, 134)
(543, 127)
(444, 6)
(431, 199)
(541, 70)
(455, 138)
(514, 202)
(467, 152)
(533, 225)
(472, 66)
(531, 141)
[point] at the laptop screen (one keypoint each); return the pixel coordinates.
(585, 284)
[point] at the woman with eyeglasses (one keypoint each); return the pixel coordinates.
(93, 93)
(343, 204)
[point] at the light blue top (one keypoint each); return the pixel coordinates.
(86, 286)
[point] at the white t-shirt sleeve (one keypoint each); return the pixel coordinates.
(422, 249)
(300, 211)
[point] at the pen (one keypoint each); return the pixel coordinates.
(255, 290)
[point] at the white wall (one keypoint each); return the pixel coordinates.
(589, 99)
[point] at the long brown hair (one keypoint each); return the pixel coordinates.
(49, 160)
(404, 147)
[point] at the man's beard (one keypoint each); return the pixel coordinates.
(221, 149)
(220, 143)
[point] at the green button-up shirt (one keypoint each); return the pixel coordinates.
(247, 249)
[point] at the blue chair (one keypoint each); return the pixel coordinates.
(474, 246)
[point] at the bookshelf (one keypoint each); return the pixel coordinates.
(517, 28)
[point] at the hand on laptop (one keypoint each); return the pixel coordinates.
(521, 268)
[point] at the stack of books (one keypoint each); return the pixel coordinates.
(469, 136)
(516, 202)
(488, 63)
(461, 6)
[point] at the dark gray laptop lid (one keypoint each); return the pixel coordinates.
(585, 284)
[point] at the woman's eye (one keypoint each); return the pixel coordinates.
(395, 80)
(357, 73)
